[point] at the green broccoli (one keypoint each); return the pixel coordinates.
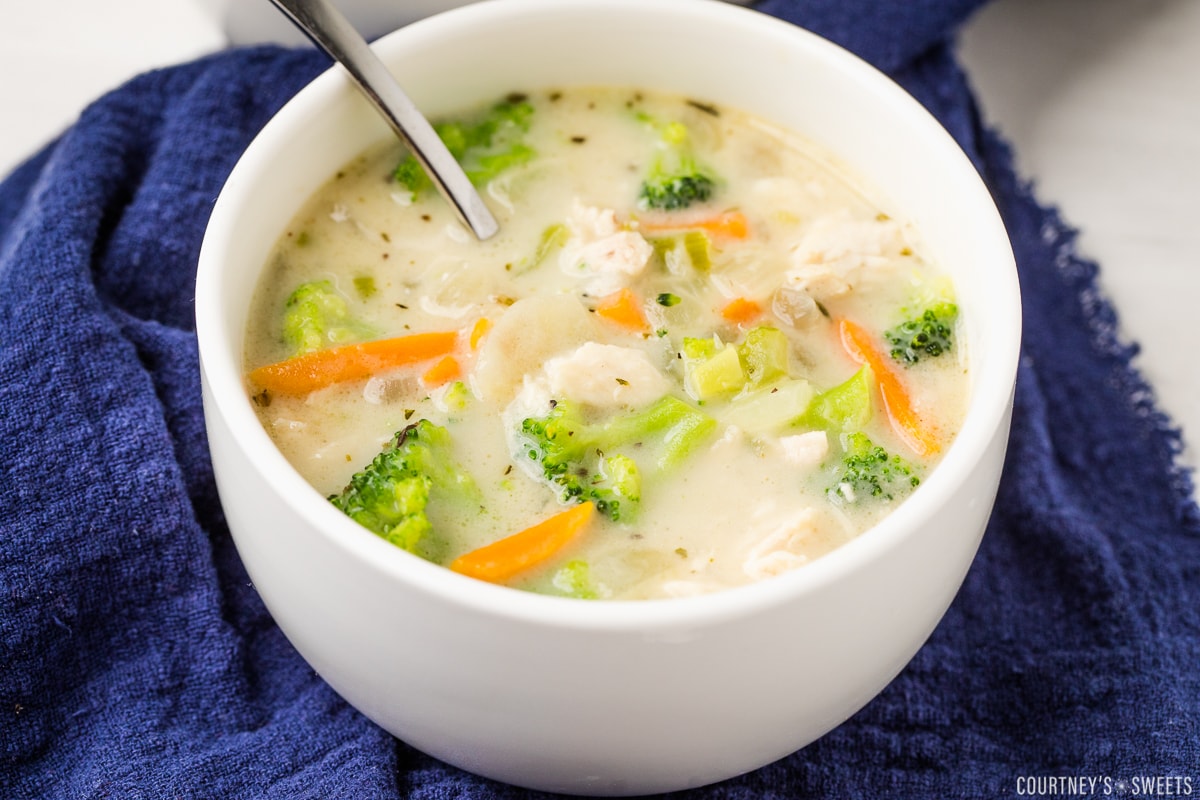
(316, 316)
(571, 453)
(579, 456)
(929, 333)
(869, 471)
(485, 146)
(675, 179)
(391, 495)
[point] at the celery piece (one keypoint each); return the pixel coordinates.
(574, 580)
(696, 245)
(717, 375)
(712, 369)
(553, 236)
(671, 251)
(456, 396)
(662, 245)
(771, 407)
(845, 407)
(764, 354)
(697, 348)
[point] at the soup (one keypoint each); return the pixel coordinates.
(698, 354)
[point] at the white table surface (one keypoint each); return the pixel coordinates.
(1100, 98)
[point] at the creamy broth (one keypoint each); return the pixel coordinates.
(787, 246)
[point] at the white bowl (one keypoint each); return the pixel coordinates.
(610, 697)
(250, 23)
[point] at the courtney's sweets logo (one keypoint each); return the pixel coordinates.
(1104, 785)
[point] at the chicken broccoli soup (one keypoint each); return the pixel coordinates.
(698, 353)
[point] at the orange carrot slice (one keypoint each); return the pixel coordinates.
(482, 326)
(444, 371)
(512, 555)
(896, 401)
(741, 310)
(624, 309)
(728, 224)
(321, 368)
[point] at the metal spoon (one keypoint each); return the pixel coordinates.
(334, 34)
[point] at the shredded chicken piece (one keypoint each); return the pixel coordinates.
(778, 551)
(600, 252)
(606, 375)
(838, 252)
(805, 450)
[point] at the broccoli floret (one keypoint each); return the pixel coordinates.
(579, 456)
(410, 174)
(675, 179)
(391, 495)
(316, 315)
(868, 471)
(485, 146)
(571, 454)
(929, 333)
(672, 190)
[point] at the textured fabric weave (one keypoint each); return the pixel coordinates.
(139, 663)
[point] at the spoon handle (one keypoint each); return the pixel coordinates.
(334, 34)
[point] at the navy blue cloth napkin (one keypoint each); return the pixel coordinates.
(136, 661)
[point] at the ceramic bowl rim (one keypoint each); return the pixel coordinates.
(227, 396)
